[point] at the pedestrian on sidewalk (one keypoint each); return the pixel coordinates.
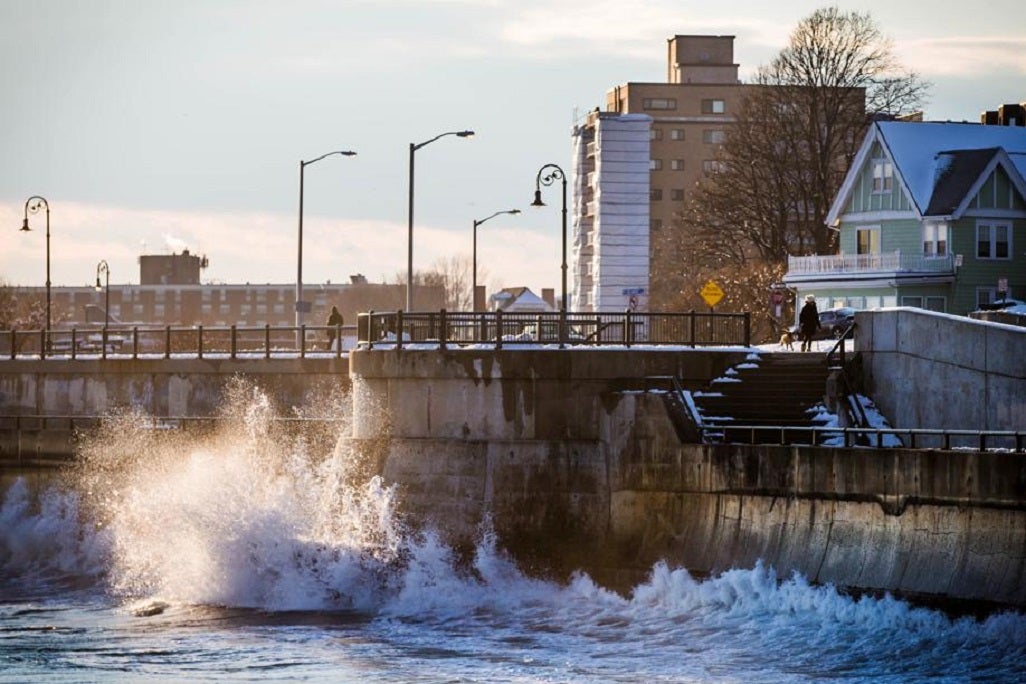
(808, 322)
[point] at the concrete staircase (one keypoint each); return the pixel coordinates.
(772, 389)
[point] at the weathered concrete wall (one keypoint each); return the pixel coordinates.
(938, 524)
(518, 394)
(160, 387)
(609, 489)
(932, 370)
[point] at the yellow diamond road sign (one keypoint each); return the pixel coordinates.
(711, 293)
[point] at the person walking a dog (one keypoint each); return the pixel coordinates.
(335, 321)
(808, 322)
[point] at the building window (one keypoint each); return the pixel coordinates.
(713, 107)
(883, 175)
(677, 164)
(993, 240)
(655, 194)
(928, 303)
(655, 224)
(867, 240)
(658, 103)
(677, 194)
(935, 240)
(655, 164)
(655, 134)
(710, 166)
(712, 137)
(677, 134)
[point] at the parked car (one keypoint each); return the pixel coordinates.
(1004, 305)
(833, 323)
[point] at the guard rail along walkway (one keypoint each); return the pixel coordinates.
(122, 341)
(394, 329)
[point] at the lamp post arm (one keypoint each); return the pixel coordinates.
(344, 153)
(554, 173)
(463, 134)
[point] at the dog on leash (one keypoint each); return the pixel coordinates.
(787, 340)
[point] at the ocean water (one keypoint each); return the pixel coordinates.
(260, 553)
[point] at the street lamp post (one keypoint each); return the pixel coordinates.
(409, 255)
(32, 206)
(301, 306)
(547, 175)
(103, 268)
(473, 291)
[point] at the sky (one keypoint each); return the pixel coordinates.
(153, 126)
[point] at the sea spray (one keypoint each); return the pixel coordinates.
(243, 514)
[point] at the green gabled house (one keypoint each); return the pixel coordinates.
(931, 215)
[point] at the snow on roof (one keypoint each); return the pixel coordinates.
(916, 146)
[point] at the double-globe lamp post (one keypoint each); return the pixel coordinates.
(32, 206)
(473, 290)
(547, 175)
(103, 268)
(301, 306)
(409, 257)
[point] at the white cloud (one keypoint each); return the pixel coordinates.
(982, 56)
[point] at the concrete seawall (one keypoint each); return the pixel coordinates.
(605, 485)
(171, 388)
(934, 370)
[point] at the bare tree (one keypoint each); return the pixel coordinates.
(452, 274)
(796, 131)
(19, 310)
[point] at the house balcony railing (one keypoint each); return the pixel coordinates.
(890, 263)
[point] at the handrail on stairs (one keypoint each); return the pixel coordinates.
(837, 359)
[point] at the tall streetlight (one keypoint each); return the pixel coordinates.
(32, 206)
(409, 257)
(103, 268)
(301, 306)
(547, 175)
(473, 291)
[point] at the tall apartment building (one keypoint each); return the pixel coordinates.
(635, 163)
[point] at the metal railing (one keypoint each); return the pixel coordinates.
(920, 438)
(837, 359)
(164, 342)
(893, 262)
(395, 329)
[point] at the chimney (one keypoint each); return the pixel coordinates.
(549, 296)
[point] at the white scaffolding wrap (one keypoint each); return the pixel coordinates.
(611, 261)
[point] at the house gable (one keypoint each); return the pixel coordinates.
(999, 190)
(866, 195)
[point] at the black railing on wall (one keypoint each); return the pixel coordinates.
(396, 329)
(375, 329)
(156, 342)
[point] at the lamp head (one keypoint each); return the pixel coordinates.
(465, 134)
(348, 153)
(537, 199)
(24, 225)
(514, 211)
(98, 286)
